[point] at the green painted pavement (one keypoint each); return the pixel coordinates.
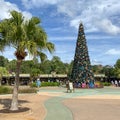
(56, 110)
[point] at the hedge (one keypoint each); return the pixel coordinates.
(8, 90)
(106, 83)
(45, 84)
(5, 90)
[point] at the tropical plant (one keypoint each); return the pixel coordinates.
(26, 37)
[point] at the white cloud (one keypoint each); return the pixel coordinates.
(108, 27)
(62, 38)
(69, 8)
(6, 7)
(96, 62)
(38, 3)
(97, 15)
(113, 52)
(99, 37)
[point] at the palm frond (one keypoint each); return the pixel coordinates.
(42, 56)
(35, 20)
(17, 18)
(50, 47)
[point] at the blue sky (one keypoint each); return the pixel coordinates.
(61, 18)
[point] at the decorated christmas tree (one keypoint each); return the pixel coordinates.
(81, 70)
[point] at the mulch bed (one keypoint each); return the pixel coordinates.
(21, 109)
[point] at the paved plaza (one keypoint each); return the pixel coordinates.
(83, 104)
(54, 103)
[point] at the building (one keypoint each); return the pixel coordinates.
(25, 79)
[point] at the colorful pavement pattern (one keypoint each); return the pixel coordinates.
(55, 108)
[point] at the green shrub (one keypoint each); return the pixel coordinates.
(45, 84)
(5, 90)
(106, 83)
(33, 84)
(8, 90)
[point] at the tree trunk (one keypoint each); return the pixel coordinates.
(14, 103)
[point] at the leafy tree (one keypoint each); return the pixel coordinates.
(97, 69)
(117, 68)
(70, 69)
(67, 67)
(3, 61)
(27, 37)
(117, 64)
(11, 67)
(28, 65)
(57, 65)
(3, 71)
(34, 73)
(109, 71)
(46, 67)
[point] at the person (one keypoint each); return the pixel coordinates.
(91, 84)
(38, 82)
(116, 83)
(83, 84)
(112, 83)
(87, 83)
(119, 83)
(67, 85)
(48, 80)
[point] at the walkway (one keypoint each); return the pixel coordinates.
(56, 110)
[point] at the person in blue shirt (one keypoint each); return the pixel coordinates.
(38, 83)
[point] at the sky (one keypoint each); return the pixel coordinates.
(61, 18)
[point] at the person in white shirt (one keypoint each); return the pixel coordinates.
(116, 83)
(112, 83)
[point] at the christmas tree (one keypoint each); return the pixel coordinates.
(81, 70)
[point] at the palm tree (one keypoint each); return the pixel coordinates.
(26, 37)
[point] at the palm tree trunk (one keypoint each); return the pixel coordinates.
(14, 103)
